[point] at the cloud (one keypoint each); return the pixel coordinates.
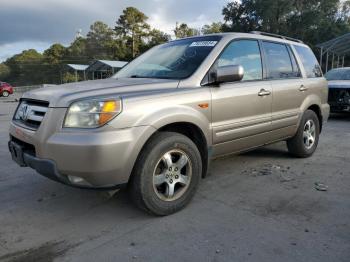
(51, 21)
(7, 50)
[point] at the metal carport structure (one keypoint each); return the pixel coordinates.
(78, 68)
(104, 68)
(338, 48)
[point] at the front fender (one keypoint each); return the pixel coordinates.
(177, 114)
(159, 111)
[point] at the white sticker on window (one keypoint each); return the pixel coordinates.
(204, 43)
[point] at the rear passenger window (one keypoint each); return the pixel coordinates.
(245, 53)
(309, 61)
(279, 61)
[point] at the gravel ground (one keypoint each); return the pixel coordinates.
(258, 206)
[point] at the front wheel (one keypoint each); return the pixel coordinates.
(305, 142)
(5, 94)
(166, 174)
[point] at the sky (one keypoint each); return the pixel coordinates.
(37, 24)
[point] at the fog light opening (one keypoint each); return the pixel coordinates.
(78, 181)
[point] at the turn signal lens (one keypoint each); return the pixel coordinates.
(109, 110)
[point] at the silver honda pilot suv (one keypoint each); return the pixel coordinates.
(156, 124)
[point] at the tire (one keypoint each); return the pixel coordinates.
(5, 94)
(153, 193)
(301, 144)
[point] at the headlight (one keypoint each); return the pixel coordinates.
(92, 113)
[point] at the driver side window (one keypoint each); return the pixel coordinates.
(245, 53)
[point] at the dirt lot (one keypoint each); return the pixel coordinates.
(259, 206)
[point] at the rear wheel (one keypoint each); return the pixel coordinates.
(5, 94)
(166, 174)
(305, 142)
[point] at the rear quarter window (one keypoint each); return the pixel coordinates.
(310, 63)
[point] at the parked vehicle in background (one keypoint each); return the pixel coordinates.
(156, 124)
(339, 89)
(5, 89)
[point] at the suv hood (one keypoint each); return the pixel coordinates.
(63, 95)
(339, 84)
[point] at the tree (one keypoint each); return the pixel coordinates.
(318, 21)
(100, 41)
(132, 27)
(239, 17)
(215, 27)
(77, 49)
(183, 30)
(4, 72)
(54, 54)
(26, 68)
(52, 63)
(69, 77)
(155, 37)
(313, 21)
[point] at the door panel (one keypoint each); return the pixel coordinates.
(241, 110)
(238, 111)
(286, 83)
(286, 102)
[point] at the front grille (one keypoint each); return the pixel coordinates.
(339, 96)
(30, 113)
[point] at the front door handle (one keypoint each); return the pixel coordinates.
(302, 88)
(264, 92)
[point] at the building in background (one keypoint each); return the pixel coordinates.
(100, 69)
(78, 70)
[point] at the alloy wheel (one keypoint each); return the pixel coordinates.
(172, 175)
(309, 134)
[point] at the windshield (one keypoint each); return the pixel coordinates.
(174, 60)
(338, 74)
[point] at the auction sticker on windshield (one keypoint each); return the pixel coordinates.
(203, 43)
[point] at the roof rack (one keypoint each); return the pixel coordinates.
(276, 35)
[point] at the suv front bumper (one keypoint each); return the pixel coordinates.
(44, 167)
(99, 160)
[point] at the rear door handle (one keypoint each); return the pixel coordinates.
(302, 88)
(264, 92)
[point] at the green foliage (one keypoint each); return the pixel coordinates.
(153, 38)
(100, 41)
(132, 28)
(313, 21)
(77, 49)
(214, 28)
(69, 77)
(4, 72)
(26, 67)
(183, 30)
(54, 54)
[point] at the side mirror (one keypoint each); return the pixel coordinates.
(231, 73)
